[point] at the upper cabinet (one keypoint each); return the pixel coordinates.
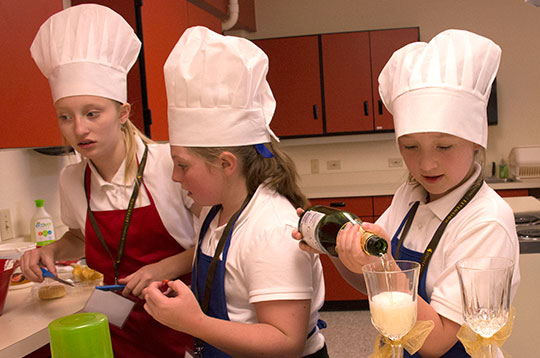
(295, 78)
(28, 117)
(327, 84)
(163, 22)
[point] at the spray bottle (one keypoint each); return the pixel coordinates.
(41, 225)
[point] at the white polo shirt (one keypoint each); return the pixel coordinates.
(265, 263)
(485, 227)
(171, 200)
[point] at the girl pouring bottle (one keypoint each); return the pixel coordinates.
(438, 93)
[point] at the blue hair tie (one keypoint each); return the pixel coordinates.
(262, 150)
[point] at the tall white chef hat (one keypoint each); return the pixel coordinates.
(86, 50)
(442, 86)
(217, 91)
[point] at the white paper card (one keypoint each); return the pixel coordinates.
(115, 307)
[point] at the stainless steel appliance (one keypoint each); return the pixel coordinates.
(528, 230)
(527, 215)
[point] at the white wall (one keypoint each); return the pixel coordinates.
(512, 24)
(26, 176)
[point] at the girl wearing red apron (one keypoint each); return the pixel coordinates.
(124, 214)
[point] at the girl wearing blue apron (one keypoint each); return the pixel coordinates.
(254, 293)
(437, 93)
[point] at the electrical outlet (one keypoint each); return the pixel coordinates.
(395, 162)
(314, 166)
(333, 164)
(6, 230)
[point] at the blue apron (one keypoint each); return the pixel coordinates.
(217, 306)
(457, 351)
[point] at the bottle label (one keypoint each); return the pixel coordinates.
(44, 230)
(308, 227)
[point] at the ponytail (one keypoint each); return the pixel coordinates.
(278, 172)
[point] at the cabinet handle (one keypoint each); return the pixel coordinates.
(315, 112)
(380, 107)
(337, 205)
(366, 108)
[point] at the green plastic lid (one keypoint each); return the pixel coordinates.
(81, 335)
(39, 203)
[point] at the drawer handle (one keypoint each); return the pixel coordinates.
(337, 205)
(380, 107)
(315, 112)
(366, 108)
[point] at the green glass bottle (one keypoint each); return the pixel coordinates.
(320, 226)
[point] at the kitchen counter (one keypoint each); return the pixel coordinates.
(355, 186)
(24, 322)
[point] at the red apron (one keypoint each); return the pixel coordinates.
(148, 241)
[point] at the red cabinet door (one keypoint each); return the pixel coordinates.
(383, 45)
(28, 115)
(347, 82)
(513, 192)
(163, 23)
(380, 204)
(294, 76)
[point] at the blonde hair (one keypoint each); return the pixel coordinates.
(130, 131)
(278, 172)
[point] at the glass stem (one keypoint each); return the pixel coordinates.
(397, 350)
(489, 351)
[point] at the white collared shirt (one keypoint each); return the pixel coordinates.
(171, 200)
(485, 227)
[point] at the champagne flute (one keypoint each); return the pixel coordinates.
(485, 291)
(392, 290)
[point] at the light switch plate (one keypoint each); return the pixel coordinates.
(6, 229)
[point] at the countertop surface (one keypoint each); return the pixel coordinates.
(25, 320)
(375, 188)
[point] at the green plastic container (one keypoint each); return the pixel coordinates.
(81, 335)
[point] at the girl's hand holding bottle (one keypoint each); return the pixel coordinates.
(349, 244)
(350, 251)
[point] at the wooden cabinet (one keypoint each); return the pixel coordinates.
(327, 84)
(295, 78)
(383, 44)
(28, 117)
(347, 82)
(380, 204)
(163, 22)
(512, 192)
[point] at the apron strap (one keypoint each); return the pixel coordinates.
(127, 219)
(227, 232)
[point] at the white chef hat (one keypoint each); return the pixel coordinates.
(217, 91)
(442, 86)
(86, 50)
